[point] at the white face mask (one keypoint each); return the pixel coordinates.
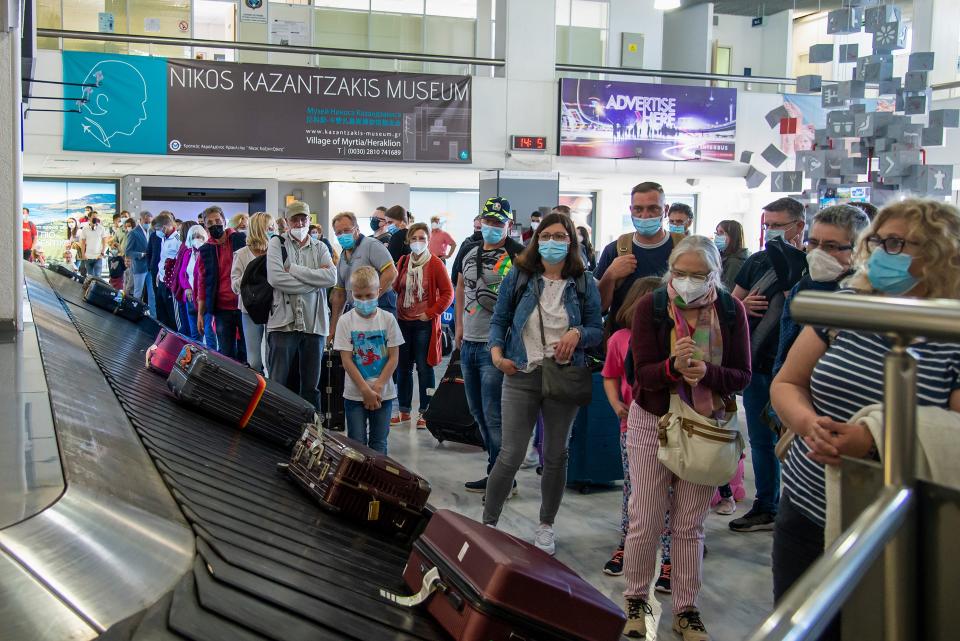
(823, 267)
(196, 242)
(534, 224)
(418, 247)
(299, 233)
(690, 290)
(435, 225)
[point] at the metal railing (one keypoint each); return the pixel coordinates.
(887, 524)
(684, 75)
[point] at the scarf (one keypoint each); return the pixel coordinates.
(414, 291)
(709, 343)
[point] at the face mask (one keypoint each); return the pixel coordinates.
(647, 226)
(216, 231)
(375, 224)
(690, 290)
(720, 241)
(160, 235)
(533, 225)
(315, 236)
(434, 226)
(299, 233)
(95, 222)
(346, 241)
(197, 243)
(890, 274)
(773, 234)
(365, 307)
(824, 268)
(418, 247)
(491, 234)
(554, 251)
(391, 228)
(271, 233)
(678, 229)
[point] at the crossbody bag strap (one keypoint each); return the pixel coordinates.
(543, 339)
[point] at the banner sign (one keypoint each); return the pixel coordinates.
(601, 119)
(150, 105)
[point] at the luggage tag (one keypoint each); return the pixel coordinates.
(373, 510)
(431, 583)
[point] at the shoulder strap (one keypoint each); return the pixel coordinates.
(659, 305)
(581, 283)
(728, 308)
(519, 286)
(625, 244)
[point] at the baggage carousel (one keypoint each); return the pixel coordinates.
(170, 525)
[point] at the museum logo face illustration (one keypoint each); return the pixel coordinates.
(116, 107)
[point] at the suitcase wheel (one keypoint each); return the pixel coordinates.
(585, 489)
(283, 467)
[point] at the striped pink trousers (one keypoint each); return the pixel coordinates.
(649, 502)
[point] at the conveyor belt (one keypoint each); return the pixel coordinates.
(270, 564)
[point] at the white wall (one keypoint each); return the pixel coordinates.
(687, 39)
(935, 29)
(636, 16)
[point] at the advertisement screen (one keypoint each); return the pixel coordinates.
(602, 119)
(155, 105)
(53, 202)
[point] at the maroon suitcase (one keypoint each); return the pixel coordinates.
(347, 477)
(162, 355)
(494, 587)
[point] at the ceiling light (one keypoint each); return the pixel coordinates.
(666, 5)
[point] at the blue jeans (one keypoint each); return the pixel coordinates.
(483, 383)
(139, 280)
(209, 336)
(94, 267)
(188, 314)
(766, 466)
(369, 427)
(253, 338)
(228, 324)
(416, 345)
(151, 289)
(282, 347)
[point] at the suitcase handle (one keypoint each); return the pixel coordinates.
(431, 584)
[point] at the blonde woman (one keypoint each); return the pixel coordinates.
(910, 250)
(261, 228)
(240, 222)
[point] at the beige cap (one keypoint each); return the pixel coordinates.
(298, 208)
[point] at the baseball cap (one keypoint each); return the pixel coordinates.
(298, 208)
(498, 208)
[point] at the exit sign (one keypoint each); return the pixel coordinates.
(528, 143)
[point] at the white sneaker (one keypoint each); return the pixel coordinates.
(532, 460)
(726, 506)
(545, 539)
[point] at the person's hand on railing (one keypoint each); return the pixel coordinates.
(828, 440)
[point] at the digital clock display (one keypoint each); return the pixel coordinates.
(528, 143)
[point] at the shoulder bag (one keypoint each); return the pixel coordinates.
(696, 448)
(564, 383)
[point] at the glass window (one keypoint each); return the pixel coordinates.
(398, 6)
(453, 8)
(361, 5)
(214, 20)
(403, 33)
(83, 15)
(563, 13)
(342, 30)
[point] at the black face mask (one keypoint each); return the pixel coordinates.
(216, 231)
(375, 224)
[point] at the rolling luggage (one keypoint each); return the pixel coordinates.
(238, 395)
(331, 389)
(100, 294)
(346, 477)
(482, 584)
(448, 416)
(594, 449)
(63, 271)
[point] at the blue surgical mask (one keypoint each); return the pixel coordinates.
(889, 273)
(678, 229)
(315, 236)
(391, 228)
(347, 241)
(773, 234)
(647, 226)
(720, 241)
(554, 251)
(491, 234)
(366, 307)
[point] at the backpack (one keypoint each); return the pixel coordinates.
(728, 318)
(255, 290)
(625, 242)
(487, 298)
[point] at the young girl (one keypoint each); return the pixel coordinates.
(619, 395)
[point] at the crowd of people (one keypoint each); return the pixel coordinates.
(675, 323)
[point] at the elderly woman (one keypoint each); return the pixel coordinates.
(698, 348)
(912, 250)
(548, 308)
(188, 281)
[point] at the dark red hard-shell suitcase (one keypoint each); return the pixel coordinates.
(165, 350)
(239, 396)
(489, 586)
(349, 478)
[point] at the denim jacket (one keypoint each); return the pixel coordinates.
(506, 325)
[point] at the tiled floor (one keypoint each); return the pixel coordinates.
(737, 586)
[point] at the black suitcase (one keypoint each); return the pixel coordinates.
(101, 295)
(239, 396)
(332, 377)
(448, 416)
(63, 271)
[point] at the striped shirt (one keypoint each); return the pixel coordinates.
(848, 378)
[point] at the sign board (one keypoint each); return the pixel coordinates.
(603, 119)
(528, 143)
(206, 108)
(253, 11)
(105, 22)
(757, 22)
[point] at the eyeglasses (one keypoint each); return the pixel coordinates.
(891, 244)
(829, 247)
(778, 226)
(559, 236)
(697, 278)
(649, 209)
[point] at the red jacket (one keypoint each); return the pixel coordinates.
(650, 348)
(439, 291)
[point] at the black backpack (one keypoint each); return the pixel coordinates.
(255, 290)
(728, 318)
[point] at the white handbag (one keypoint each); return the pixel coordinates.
(696, 448)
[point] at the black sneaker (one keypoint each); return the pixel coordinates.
(663, 583)
(476, 486)
(753, 521)
(614, 566)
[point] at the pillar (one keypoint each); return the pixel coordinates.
(11, 240)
